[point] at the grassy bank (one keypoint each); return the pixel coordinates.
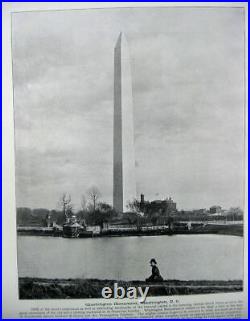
(37, 288)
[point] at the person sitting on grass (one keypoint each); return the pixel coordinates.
(155, 276)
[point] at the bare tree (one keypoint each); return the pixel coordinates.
(66, 204)
(134, 206)
(93, 194)
(83, 202)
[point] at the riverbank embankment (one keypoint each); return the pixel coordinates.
(39, 288)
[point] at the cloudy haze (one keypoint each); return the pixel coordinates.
(188, 91)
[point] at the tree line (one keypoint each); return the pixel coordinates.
(92, 212)
(95, 212)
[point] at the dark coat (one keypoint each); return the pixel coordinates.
(155, 276)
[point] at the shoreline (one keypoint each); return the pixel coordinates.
(235, 230)
(43, 288)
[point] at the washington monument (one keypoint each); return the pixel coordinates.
(124, 186)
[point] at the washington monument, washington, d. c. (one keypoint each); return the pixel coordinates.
(124, 183)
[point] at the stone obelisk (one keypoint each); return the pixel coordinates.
(124, 186)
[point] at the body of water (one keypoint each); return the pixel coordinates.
(182, 257)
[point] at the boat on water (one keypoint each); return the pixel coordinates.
(72, 229)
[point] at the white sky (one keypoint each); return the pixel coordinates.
(188, 91)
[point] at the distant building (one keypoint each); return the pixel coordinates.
(95, 229)
(200, 211)
(215, 209)
(164, 207)
(167, 205)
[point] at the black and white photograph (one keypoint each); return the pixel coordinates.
(129, 128)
